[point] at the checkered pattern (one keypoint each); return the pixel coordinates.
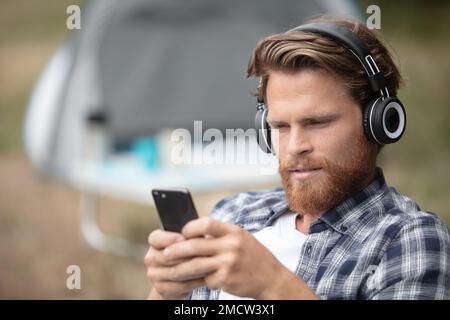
(377, 244)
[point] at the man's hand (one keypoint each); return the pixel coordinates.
(232, 260)
(160, 269)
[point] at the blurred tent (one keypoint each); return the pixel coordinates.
(100, 114)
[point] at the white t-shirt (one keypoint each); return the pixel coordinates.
(283, 240)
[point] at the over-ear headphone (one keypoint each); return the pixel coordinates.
(384, 117)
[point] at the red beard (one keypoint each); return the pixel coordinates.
(334, 183)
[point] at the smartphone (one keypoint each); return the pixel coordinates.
(175, 208)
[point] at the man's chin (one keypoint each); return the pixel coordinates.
(312, 194)
(315, 180)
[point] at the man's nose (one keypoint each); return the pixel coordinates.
(298, 143)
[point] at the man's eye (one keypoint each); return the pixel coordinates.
(318, 123)
(279, 126)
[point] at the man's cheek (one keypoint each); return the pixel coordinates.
(277, 143)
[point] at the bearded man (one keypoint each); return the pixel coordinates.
(335, 230)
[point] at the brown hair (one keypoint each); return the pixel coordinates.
(295, 50)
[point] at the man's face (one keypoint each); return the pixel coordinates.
(318, 136)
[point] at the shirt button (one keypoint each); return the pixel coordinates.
(308, 250)
(343, 228)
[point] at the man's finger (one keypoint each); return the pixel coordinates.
(160, 239)
(196, 247)
(158, 258)
(206, 226)
(192, 269)
(182, 288)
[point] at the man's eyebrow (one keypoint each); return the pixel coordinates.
(320, 118)
(275, 122)
(309, 119)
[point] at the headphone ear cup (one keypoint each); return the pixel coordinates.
(385, 120)
(263, 136)
(367, 120)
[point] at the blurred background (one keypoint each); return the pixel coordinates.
(91, 171)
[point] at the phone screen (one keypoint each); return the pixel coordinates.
(175, 208)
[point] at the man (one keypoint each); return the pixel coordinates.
(335, 230)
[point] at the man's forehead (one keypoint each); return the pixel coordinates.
(304, 82)
(307, 91)
(306, 105)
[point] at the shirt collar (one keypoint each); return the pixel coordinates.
(344, 214)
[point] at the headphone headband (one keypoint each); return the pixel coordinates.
(356, 46)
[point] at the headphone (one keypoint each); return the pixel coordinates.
(384, 117)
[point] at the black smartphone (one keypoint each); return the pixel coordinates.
(175, 208)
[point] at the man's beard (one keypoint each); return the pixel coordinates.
(335, 182)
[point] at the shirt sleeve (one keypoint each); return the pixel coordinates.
(415, 264)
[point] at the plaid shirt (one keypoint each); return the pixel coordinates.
(377, 244)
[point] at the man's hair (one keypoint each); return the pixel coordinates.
(296, 50)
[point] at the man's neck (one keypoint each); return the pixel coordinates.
(302, 222)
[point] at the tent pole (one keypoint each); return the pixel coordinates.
(101, 241)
